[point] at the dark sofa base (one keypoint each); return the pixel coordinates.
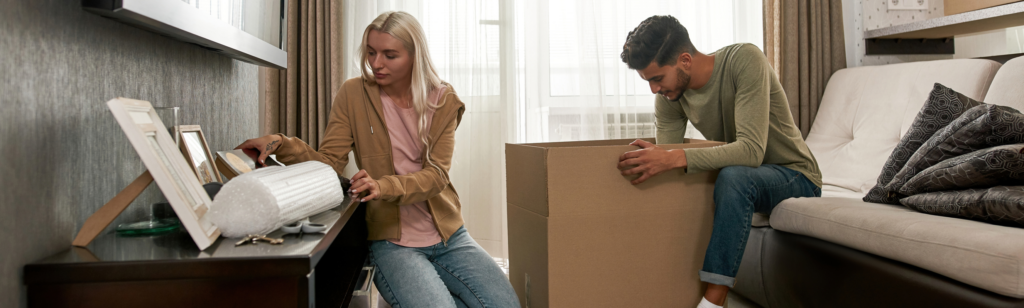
(782, 269)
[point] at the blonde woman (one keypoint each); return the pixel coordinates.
(400, 119)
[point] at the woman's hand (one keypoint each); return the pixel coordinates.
(362, 182)
(265, 146)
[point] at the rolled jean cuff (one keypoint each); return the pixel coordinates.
(718, 279)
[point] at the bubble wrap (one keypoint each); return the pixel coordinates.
(261, 201)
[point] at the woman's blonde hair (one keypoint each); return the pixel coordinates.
(405, 28)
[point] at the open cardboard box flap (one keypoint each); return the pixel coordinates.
(584, 173)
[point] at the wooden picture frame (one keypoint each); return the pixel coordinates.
(168, 167)
(197, 153)
(234, 163)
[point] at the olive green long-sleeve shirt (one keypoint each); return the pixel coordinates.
(743, 105)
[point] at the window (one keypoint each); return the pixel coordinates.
(571, 83)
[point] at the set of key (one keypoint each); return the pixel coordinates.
(255, 239)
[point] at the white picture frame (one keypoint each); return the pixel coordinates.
(167, 165)
(197, 153)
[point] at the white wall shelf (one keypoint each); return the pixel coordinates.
(993, 18)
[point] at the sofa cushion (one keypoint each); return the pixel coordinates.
(866, 110)
(983, 255)
(983, 168)
(1006, 89)
(942, 107)
(981, 127)
(840, 192)
(1000, 205)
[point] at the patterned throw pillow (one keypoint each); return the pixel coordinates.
(980, 127)
(943, 106)
(984, 168)
(1002, 205)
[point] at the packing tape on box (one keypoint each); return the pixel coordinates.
(263, 200)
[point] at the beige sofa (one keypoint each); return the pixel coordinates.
(942, 260)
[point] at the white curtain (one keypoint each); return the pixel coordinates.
(575, 86)
(543, 71)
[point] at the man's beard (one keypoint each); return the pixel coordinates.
(682, 82)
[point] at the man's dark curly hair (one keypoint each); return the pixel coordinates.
(659, 38)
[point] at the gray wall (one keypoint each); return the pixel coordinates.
(64, 155)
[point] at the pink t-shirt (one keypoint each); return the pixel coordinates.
(418, 228)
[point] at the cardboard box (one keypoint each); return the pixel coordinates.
(953, 7)
(580, 235)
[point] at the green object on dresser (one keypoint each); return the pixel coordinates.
(149, 227)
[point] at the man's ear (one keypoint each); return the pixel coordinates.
(685, 60)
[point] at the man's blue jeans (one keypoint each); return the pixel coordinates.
(461, 274)
(739, 192)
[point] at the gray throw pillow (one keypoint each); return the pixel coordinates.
(1002, 205)
(980, 127)
(989, 167)
(942, 107)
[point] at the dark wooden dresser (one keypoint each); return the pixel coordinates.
(308, 270)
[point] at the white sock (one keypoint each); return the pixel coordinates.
(704, 303)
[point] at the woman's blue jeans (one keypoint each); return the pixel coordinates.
(739, 192)
(460, 274)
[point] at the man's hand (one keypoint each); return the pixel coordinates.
(650, 160)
